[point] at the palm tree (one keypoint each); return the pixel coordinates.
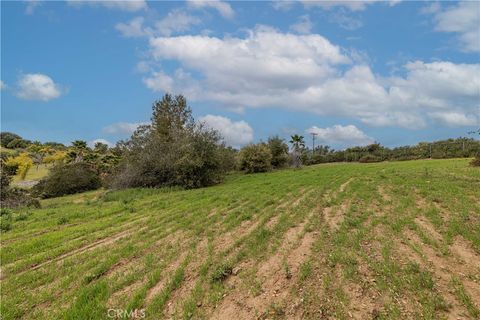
(297, 142)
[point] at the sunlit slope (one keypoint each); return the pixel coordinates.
(387, 240)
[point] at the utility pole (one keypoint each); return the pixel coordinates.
(313, 142)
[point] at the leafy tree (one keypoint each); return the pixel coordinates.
(255, 158)
(171, 115)
(172, 150)
(77, 151)
(279, 151)
(22, 162)
(7, 137)
(101, 148)
(57, 157)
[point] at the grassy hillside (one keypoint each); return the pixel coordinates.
(387, 240)
(36, 173)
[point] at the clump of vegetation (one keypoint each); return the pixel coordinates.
(476, 162)
(7, 137)
(255, 158)
(221, 272)
(5, 223)
(68, 179)
(21, 164)
(11, 197)
(173, 150)
(279, 151)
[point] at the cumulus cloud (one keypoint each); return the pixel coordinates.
(462, 19)
(36, 86)
(3, 85)
(123, 128)
(308, 73)
(124, 5)
(235, 133)
(348, 135)
(303, 26)
(223, 8)
(455, 119)
(92, 143)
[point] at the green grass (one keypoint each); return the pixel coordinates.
(80, 255)
(35, 173)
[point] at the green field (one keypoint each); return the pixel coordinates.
(387, 241)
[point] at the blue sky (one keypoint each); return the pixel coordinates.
(396, 72)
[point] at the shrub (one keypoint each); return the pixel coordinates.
(279, 151)
(62, 220)
(5, 223)
(7, 137)
(14, 197)
(475, 162)
(68, 179)
(18, 144)
(5, 212)
(255, 158)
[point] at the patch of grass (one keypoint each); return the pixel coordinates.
(464, 297)
(221, 272)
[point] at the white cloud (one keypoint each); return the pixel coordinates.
(3, 85)
(454, 119)
(307, 73)
(462, 19)
(31, 5)
(36, 86)
(353, 5)
(223, 8)
(133, 29)
(92, 143)
(159, 81)
(356, 5)
(176, 21)
(123, 128)
(235, 133)
(303, 26)
(348, 135)
(124, 5)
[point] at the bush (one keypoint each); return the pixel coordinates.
(279, 151)
(255, 158)
(5, 223)
(475, 162)
(68, 179)
(7, 137)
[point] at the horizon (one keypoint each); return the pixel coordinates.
(395, 72)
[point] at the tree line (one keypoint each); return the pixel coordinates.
(175, 150)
